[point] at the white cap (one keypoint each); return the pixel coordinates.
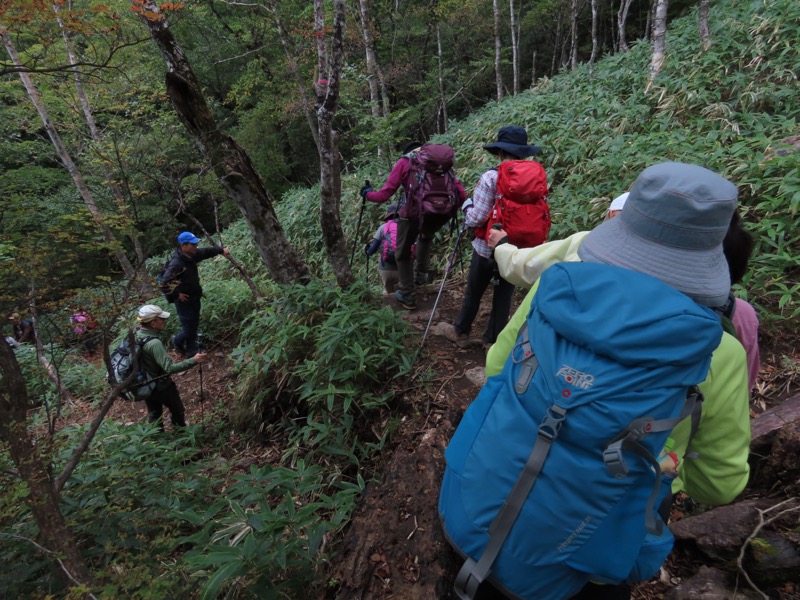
(150, 311)
(618, 202)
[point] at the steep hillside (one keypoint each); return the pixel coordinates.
(733, 109)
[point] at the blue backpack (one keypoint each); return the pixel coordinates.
(551, 480)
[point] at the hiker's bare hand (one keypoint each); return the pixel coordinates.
(200, 357)
(495, 235)
(183, 297)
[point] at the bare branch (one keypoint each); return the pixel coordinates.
(762, 522)
(51, 553)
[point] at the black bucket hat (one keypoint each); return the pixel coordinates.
(514, 140)
(391, 212)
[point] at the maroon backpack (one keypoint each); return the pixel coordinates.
(431, 193)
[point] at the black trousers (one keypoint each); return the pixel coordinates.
(408, 233)
(481, 272)
(189, 316)
(166, 394)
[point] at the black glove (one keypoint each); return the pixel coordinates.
(366, 248)
(363, 191)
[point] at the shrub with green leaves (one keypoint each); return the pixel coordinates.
(318, 351)
(265, 534)
(120, 502)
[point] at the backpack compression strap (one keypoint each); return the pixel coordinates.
(473, 573)
(637, 430)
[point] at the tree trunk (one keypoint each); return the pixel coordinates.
(533, 69)
(230, 161)
(622, 19)
(372, 59)
(659, 39)
(56, 537)
(705, 34)
(292, 60)
(497, 50)
(330, 184)
(514, 47)
(66, 160)
(442, 97)
(573, 34)
(595, 41)
(88, 116)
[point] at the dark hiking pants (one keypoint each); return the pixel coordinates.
(481, 273)
(189, 316)
(166, 395)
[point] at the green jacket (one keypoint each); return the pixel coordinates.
(722, 443)
(155, 358)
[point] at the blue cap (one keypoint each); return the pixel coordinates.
(187, 237)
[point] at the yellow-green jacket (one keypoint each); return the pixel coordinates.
(717, 470)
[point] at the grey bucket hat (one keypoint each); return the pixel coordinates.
(672, 228)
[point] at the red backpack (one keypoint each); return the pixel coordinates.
(521, 207)
(431, 193)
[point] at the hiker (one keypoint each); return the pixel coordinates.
(511, 145)
(156, 362)
(180, 284)
(672, 230)
(23, 329)
(431, 197)
(738, 246)
(616, 206)
(524, 266)
(385, 240)
(84, 326)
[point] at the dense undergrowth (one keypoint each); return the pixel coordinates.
(730, 109)
(314, 365)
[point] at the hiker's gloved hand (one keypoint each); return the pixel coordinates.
(364, 190)
(372, 247)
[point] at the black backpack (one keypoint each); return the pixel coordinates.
(122, 362)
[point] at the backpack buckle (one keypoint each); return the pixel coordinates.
(615, 461)
(551, 423)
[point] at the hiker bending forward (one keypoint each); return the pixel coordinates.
(156, 362)
(671, 230)
(411, 227)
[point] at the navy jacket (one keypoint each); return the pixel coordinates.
(180, 275)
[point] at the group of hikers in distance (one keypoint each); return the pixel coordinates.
(623, 377)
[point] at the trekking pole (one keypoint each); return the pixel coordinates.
(202, 392)
(358, 227)
(441, 287)
(460, 255)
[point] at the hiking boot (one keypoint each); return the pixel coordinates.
(454, 335)
(407, 301)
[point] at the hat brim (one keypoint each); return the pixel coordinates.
(162, 315)
(700, 274)
(518, 150)
(193, 240)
